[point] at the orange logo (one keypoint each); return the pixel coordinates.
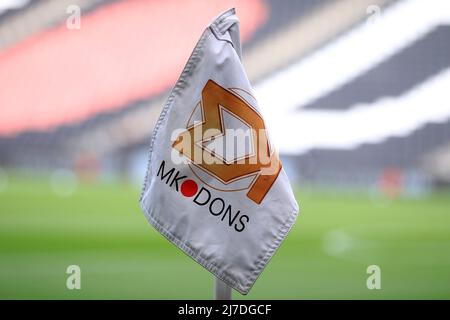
(260, 165)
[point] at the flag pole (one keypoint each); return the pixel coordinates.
(221, 290)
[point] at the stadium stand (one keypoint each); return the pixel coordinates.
(311, 62)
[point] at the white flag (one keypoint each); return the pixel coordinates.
(215, 186)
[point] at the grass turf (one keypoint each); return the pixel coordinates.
(336, 237)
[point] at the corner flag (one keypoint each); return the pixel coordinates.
(215, 186)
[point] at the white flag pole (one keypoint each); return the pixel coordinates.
(221, 290)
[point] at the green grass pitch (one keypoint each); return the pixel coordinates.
(336, 237)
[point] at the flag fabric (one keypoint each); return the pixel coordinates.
(215, 186)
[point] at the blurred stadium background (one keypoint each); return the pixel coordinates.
(356, 94)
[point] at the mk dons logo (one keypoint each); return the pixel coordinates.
(225, 138)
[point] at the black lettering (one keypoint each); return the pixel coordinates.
(217, 207)
(176, 179)
(164, 175)
(198, 195)
(242, 227)
(228, 211)
(211, 207)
